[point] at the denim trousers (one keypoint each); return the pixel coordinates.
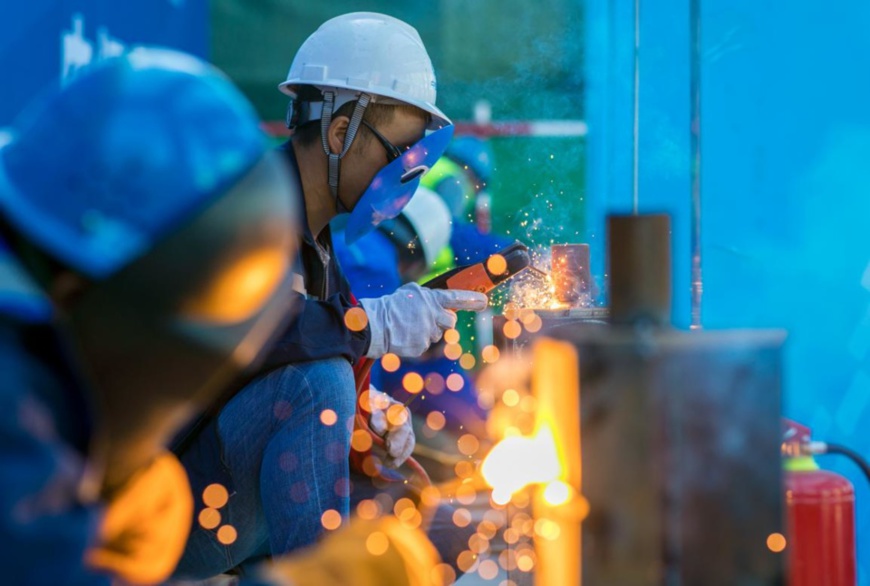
(280, 447)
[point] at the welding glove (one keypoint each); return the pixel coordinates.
(145, 526)
(391, 420)
(409, 320)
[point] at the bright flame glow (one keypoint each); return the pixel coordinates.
(557, 492)
(516, 462)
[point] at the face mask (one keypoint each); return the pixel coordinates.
(394, 185)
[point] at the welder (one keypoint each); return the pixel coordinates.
(365, 128)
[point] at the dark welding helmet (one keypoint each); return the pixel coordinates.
(143, 198)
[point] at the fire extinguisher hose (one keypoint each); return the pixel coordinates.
(821, 448)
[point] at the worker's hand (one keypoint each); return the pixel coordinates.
(392, 421)
(365, 553)
(412, 318)
(145, 527)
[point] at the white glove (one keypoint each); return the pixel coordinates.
(409, 320)
(392, 421)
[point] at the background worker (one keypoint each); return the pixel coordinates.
(143, 264)
(365, 127)
(399, 251)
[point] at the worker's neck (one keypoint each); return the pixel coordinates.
(319, 203)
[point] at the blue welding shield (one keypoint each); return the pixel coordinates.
(394, 185)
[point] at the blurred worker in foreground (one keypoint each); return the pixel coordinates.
(143, 265)
(366, 128)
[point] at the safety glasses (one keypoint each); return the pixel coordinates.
(393, 152)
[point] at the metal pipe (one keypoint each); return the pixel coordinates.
(695, 131)
(636, 129)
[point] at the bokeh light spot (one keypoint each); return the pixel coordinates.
(512, 330)
(227, 534)
(451, 336)
(436, 420)
(455, 382)
(464, 469)
(534, 325)
(496, 264)
(467, 361)
(488, 569)
(328, 417)
(468, 444)
(490, 354)
(397, 415)
(461, 517)
(355, 319)
(412, 382)
(377, 543)
(466, 560)
(443, 574)
(434, 383)
(209, 518)
(390, 362)
(330, 519)
(478, 543)
(430, 496)
(361, 440)
(452, 351)
(215, 496)
(368, 509)
(776, 542)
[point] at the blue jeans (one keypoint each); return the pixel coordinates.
(282, 466)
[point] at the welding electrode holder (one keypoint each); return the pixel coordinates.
(478, 277)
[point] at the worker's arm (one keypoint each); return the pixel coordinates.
(319, 332)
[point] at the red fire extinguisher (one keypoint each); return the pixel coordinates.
(820, 515)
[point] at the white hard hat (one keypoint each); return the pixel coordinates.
(429, 216)
(365, 53)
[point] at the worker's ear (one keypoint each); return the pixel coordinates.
(336, 133)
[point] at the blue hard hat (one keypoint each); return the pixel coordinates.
(475, 153)
(101, 169)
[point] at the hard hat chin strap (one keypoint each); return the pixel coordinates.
(355, 121)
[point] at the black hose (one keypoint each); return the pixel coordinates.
(852, 455)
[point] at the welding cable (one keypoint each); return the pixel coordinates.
(821, 448)
(362, 375)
